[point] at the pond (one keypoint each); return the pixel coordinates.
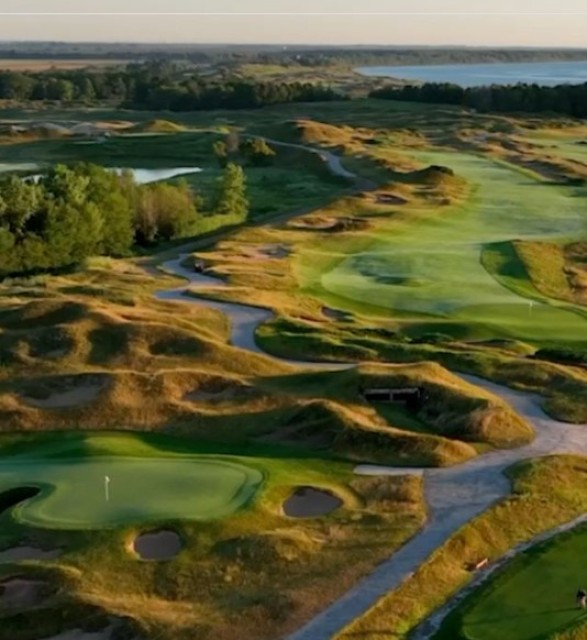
(141, 175)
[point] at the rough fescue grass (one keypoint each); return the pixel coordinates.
(546, 493)
(452, 410)
(256, 574)
(147, 365)
(556, 270)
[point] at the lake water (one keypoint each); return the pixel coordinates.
(142, 176)
(477, 75)
(145, 176)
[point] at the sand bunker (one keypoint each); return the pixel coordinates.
(278, 251)
(330, 224)
(316, 223)
(275, 251)
(157, 545)
(71, 391)
(19, 554)
(390, 198)
(218, 392)
(335, 314)
(12, 497)
(21, 592)
(309, 502)
(78, 634)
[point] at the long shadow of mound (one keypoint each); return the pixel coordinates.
(12, 497)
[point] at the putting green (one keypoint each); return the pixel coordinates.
(430, 265)
(141, 489)
(532, 599)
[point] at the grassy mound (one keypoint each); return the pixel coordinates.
(453, 416)
(157, 126)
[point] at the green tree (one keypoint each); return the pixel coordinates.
(221, 152)
(19, 200)
(232, 194)
(114, 196)
(258, 152)
(165, 211)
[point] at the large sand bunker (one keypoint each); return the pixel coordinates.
(310, 502)
(20, 554)
(12, 497)
(78, 634)
(66, 391)
(21, 592)
(157, 545)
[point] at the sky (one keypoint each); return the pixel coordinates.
(387, 22)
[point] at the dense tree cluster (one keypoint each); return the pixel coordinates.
(529, 98)
(70, 213)
(155, 86)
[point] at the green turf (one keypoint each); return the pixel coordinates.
(532, 599)
(430, 265)
(150, 485)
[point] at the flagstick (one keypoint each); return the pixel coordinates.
(107, 488)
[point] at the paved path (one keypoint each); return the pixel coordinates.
(454, 495)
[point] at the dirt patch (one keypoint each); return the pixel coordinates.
(309, 502)
(19, 554)
(157, 545)
(66, 391)
(22, 592)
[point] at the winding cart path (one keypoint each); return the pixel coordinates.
(454, 495)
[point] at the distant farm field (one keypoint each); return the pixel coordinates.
(62, 65)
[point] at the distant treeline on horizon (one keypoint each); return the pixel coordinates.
(565, 99)
(307, 55)
(167, 86)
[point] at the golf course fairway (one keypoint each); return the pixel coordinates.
(532, 598)
(429, 265)
(100, 485)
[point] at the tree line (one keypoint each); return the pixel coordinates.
(73, 212)
(310, 55)
(565, 99)
(156, 86)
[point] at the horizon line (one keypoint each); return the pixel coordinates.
(288, 13)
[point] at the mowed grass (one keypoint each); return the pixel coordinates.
(162, 486)
(430, 265)
(533, 597)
